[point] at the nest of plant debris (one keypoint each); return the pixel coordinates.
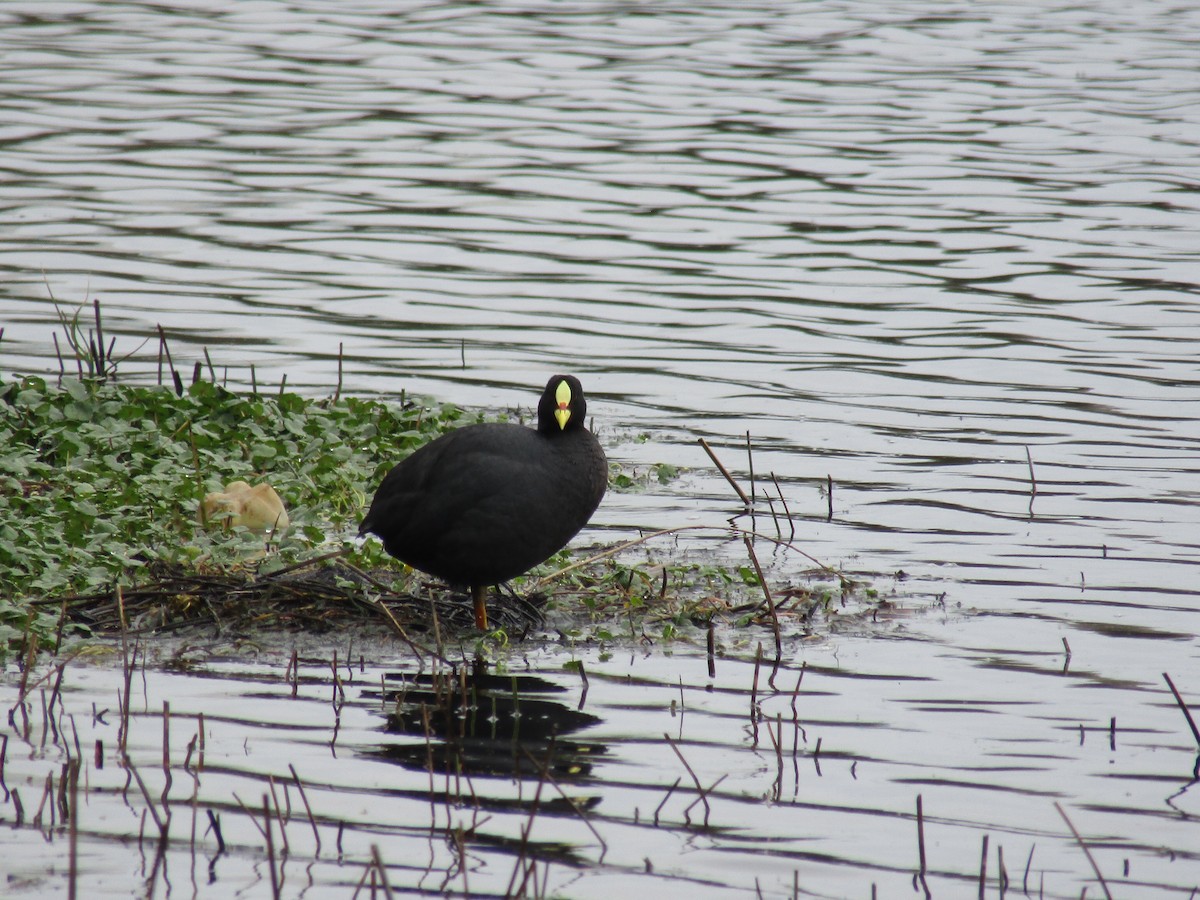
(315, 599)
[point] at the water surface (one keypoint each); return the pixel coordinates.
(922, 251)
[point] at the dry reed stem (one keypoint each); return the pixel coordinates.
(762, 581)
(308, 809)
(983, 870)
(699, 788)
(921, 848)
(266, 802)
(1187, 714)
(721, 468)
(1086, 851)
(377, 860)
(666, 797)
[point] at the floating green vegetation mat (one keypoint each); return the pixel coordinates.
(102, 483)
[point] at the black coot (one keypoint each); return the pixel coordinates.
(485, 503)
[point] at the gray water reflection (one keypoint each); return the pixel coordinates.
(817, 789)
(898, 243)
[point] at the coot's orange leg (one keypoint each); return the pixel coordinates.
(479, 595)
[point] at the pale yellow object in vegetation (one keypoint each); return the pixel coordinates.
(257, 508)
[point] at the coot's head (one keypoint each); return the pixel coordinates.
(562, 407)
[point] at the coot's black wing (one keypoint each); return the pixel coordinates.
(487, 502)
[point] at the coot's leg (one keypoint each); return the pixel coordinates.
(479, 595)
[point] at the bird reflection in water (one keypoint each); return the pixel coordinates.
(469, 721)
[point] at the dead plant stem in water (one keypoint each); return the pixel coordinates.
(721, 468)
(921, 848)
(762, 581)
(1086, 852)
(1187, 713)
(699, 788)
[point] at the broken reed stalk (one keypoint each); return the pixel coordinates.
(337, 392)
(921, 848)
(584, 678)
(776, 737)
(23, 688)
(1086, 851)
(286, 849)
(983, 870)
(921, 835)
(166, 752)
(687, 812)
(712, 657)
(699, 789)
(762, 581)
(1032, 480)
(214, 825)
(750, 461)
(270, 847)
(377, 861)
(166, 348)
(1187, 714)
(787, 512)
(754, 694)
(3, 757)
(829, 497)
(73, 833)
(721, 468)
(774, 517)
(796, 694)
(99, 352)
(127, 672)
(162, 824)
(666, 797)
(308, 809)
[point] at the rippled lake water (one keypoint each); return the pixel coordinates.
(919, 251)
